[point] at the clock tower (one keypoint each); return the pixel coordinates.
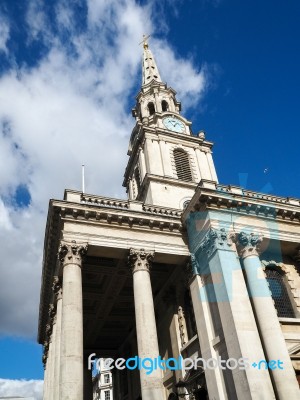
(166, 159)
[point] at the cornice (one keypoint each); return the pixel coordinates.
(210, 195)
(143, 217)
(51, 242)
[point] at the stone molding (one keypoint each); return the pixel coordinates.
(215, 239)
(248, 244)
(140, 260)
(57, 288)
(72, 253)
(245, 202)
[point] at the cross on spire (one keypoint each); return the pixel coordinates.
(144, 41)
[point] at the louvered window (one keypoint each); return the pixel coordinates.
(279, 293)
(182, 164)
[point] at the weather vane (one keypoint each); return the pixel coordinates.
(144, 41)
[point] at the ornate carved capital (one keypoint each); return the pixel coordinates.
(72, 253)
(248, 244)
(217, 239)
(140, 260)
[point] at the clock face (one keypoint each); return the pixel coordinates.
(173, 124)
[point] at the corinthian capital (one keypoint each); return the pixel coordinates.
(140, 260)
(72, 253)
(248, 244)
(217, 239)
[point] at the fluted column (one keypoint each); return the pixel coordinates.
(57, 289)
(151, 385)
(284, 380)
(71, 364)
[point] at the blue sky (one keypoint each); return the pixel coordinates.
(69, 71)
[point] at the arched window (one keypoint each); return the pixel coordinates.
(182, 165)
(279, 293)
(151, 108)
(164, 105)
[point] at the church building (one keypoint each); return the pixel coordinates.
(195, 284)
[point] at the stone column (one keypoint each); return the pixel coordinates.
(57, 289)
(139, 260)
(284, 380)
(71, 360)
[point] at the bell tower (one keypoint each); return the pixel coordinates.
(166, 160)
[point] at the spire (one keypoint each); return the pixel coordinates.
(150, 70)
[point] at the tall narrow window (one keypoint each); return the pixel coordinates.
(164, 105)
(151, 108)
(279, 293)
(182, 165)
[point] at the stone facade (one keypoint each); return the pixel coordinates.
(185, 267)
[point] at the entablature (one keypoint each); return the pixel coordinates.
(210, 195)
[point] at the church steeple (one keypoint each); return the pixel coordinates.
(150, 70)
(166, 161)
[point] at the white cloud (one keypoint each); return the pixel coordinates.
(4, 34)
(32, 389)
(189, 81)
(70, 108)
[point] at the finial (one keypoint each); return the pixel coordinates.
(144, 41)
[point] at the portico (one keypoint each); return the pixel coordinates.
(185, 267)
